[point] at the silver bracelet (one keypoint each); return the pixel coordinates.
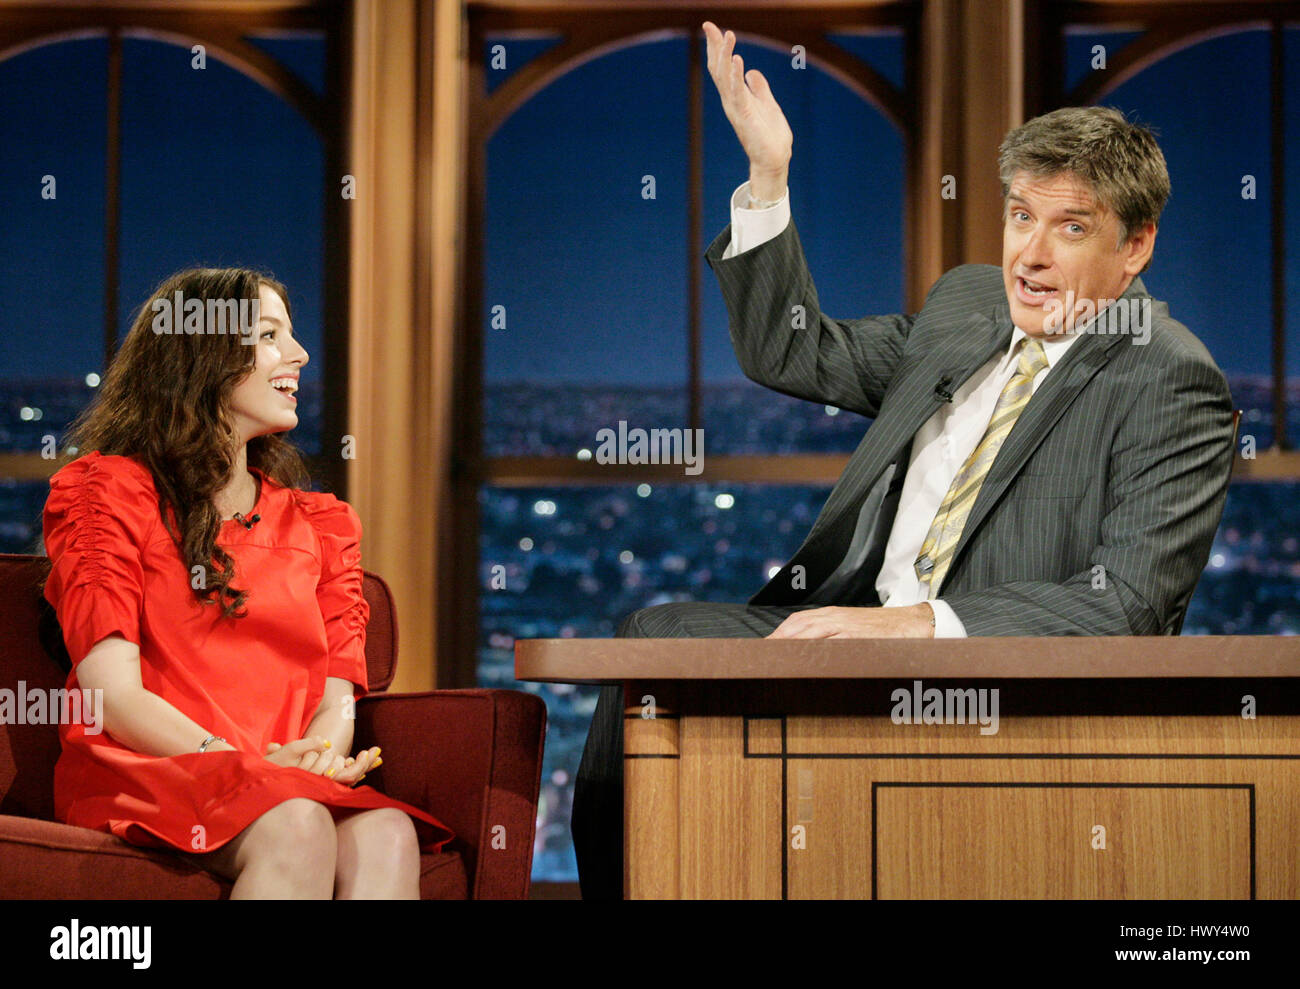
(203, 746)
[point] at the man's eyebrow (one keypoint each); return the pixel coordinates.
(1071, 212)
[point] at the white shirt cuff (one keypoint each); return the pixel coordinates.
(752, 227)
(946, 623)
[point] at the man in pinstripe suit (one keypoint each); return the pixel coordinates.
(1032, 468)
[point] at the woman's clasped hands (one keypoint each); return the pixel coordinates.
(316, 755)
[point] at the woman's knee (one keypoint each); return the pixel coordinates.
(385, 831)
(298, 831)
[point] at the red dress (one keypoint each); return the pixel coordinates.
(251, 680)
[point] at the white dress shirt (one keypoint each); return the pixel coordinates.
(941, 445)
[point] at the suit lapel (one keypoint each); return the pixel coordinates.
(1062, 386)
(911, 401)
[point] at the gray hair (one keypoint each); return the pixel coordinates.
(1120, 161)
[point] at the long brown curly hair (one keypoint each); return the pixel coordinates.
(165, 400)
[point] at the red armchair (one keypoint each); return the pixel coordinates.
(472, 758)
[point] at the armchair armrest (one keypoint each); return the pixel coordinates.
(473, 759)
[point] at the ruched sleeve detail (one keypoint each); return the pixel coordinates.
(342, 602)
(99, 515)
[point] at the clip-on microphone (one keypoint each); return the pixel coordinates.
(941, 391)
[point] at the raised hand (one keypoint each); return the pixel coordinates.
(754, 114)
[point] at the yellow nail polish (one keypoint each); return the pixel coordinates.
(377, 762)
(330, 773)
(328, 744)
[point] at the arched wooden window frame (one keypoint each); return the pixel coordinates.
(222, 32)
(587, 34)
(1167, 28)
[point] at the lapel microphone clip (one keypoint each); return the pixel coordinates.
(941, 391)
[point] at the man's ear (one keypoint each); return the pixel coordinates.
(1138, 249)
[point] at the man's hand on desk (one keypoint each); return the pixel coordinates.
(914, 622)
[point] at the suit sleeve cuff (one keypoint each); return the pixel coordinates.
(752, 227)
(946, 623)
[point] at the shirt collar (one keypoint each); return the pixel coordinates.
(1054, 344)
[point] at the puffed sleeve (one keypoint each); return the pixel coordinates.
(98, 516)
(339, 592)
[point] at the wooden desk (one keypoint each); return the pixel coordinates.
(1120, 768)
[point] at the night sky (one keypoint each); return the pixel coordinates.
(216, 170)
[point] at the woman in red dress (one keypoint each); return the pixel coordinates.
(219, 609)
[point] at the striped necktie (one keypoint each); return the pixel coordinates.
(945, 531)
